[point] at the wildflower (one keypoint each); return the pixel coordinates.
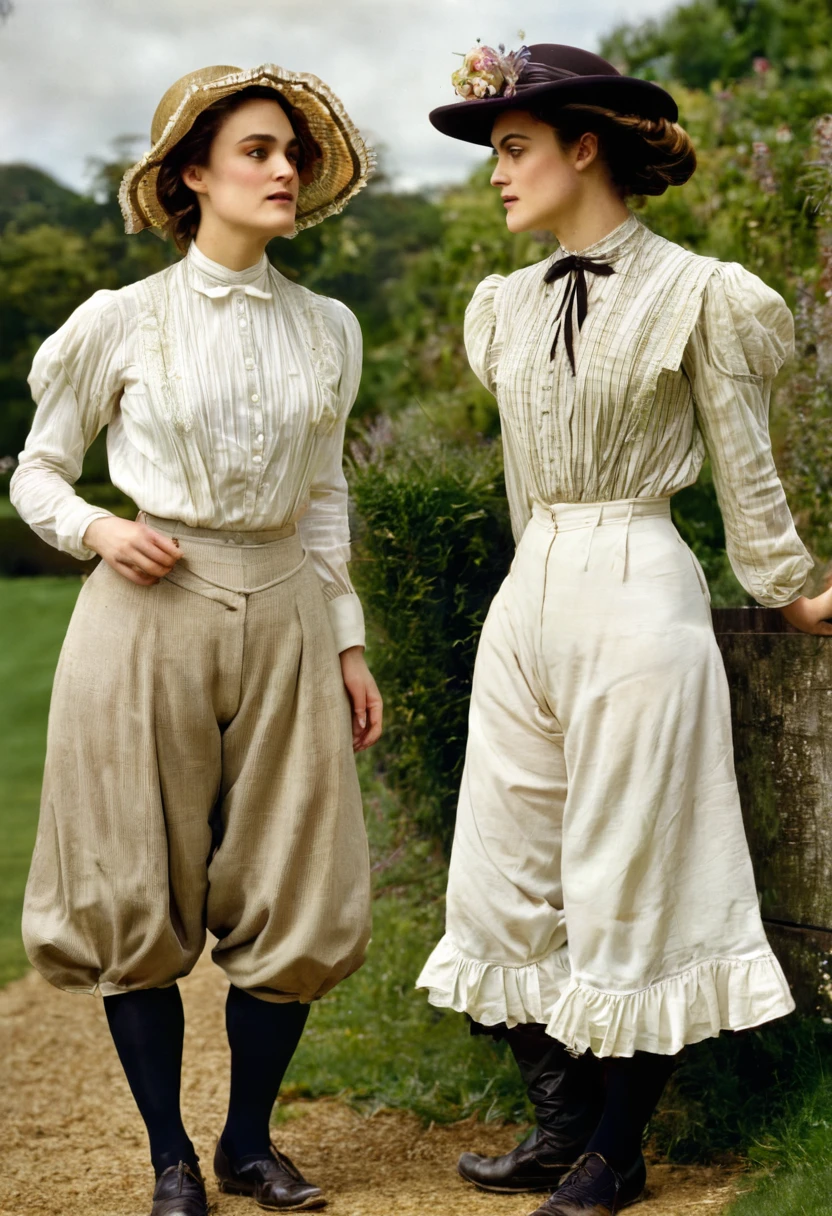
(761, 167)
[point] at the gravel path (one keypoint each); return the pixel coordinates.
(73, 1145)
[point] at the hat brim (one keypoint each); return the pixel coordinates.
(345, 168)
(473, 121)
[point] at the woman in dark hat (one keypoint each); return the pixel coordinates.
(601, 909)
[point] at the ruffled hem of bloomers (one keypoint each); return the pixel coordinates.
(492, 993)
(695, 1004)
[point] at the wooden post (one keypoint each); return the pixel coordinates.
(781, 701)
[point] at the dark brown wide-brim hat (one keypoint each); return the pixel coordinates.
(345, 168)
(556, 75)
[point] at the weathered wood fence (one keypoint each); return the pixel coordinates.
(781, 698)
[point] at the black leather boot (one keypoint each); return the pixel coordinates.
(567, 1096)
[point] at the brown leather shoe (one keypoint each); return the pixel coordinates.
(591, 1188)
(179, 1191)
(535, 1165)
(273, 1182)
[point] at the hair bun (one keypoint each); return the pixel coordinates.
(669, 154)
(644, 155)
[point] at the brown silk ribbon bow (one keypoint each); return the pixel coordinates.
(576, 290)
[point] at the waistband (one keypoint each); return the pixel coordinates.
(568, 515)
(216, 536)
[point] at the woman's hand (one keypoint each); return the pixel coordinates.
(365, 698)
(132, 549)
(809, 615)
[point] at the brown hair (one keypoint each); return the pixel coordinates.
(178, 200)
(643, 155)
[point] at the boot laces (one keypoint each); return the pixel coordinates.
(581, 1173)
(283, 1161)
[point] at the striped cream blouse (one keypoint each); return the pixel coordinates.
(676, 356)
(225, 394)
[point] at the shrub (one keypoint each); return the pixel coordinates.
(433, 544)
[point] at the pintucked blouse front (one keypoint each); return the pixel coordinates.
(225, 394)
(676, 356)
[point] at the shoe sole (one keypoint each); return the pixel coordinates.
(545, 1188)
(541, 1190)
(645, 1194)
(306, 1205)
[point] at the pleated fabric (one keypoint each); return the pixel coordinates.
(676, 358)
(200, 775)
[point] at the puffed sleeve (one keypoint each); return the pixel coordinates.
(743, 335)
(480, 322)
(480, 346)
(324, 528)
(76, 383)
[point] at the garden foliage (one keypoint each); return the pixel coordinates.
(434, 543)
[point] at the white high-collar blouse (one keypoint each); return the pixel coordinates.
(225, 394)
(676, 357)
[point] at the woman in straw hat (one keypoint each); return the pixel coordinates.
(601, 903)
(200, 770)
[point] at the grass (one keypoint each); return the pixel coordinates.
(377, 1041)
(794, 1161)
(35, 613)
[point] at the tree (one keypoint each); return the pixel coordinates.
(721, 40)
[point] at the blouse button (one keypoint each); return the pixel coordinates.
(243, 323)
(255, 397)
(257, 459)
(249, 363)
(259, 438)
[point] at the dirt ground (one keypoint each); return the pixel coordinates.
(71, 1142)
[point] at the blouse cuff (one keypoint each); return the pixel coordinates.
(73, 526)
(346, 616)
(785, 586)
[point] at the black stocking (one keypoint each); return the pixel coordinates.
(633, 1087)
(262, 1036)
(148, 1028)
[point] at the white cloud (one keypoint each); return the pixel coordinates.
(76, 74)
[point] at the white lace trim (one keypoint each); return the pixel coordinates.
(160, 355)
(320, 346)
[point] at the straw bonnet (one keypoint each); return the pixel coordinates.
(491, 81)
(345, 169)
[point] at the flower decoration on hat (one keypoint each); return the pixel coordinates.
(489, 73)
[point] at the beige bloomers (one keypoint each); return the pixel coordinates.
(200, 775)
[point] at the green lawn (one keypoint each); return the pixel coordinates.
(34, 614)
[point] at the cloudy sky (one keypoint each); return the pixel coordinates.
(76, 74)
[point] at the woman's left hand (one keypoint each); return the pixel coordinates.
(365, 698)
(810, 615)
